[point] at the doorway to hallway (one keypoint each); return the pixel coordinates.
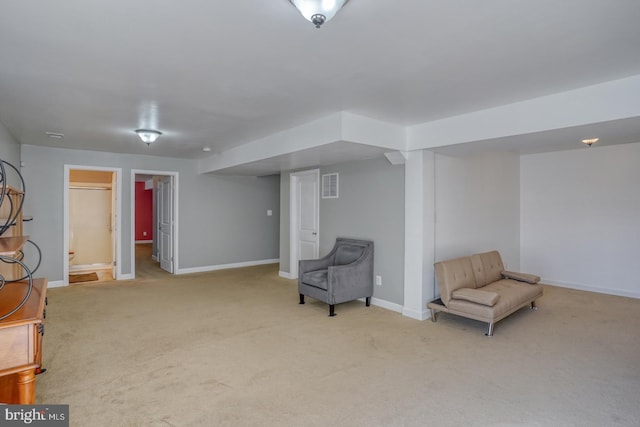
(154, 238)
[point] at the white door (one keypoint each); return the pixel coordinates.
(306, 217)
(165, 223)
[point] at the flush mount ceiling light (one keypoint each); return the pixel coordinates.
(148, 136)
(590, 141)
(318, 11)
(55, 135)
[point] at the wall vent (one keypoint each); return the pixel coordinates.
(330, 186)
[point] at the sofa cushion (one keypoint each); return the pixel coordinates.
(454, 274)
(317, 278)
(487, 267)
(521, 277)
(512, 294)
(476, 295)
(346, 254)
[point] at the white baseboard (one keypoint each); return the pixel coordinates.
(415, 314)
(286, 275)
(385, 304)
(581, 287)
(89, 267)
(226, 266)
(56, 284)
(61, 283)
(144, 241)
(155, 258)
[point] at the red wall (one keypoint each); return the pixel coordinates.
(144, 212)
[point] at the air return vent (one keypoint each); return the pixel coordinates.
(330, 186)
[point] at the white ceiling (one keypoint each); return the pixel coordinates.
(220, 74)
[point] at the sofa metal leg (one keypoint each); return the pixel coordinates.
(332, 311)
(433, 315)
(533, 305)
(368, 301)
(490, 332)
(301, 299)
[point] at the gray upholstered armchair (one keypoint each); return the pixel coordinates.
(345, 274)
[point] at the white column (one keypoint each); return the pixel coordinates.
(428, 228)
(419, 241)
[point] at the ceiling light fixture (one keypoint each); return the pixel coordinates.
(318, 11)
(590, 141)
(148, 136)
(55, 135)
(206, 149)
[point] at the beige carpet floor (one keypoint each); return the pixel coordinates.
(234, 348)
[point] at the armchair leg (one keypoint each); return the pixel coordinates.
(301, 299)
(533, 305)
(368, 301)
(332, 311)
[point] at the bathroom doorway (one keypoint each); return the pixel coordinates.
(91, 217)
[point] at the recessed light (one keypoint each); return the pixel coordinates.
(206, 149)
(55, 135)
(590, 141)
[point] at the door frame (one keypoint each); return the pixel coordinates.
(116, 211)
(293, 216)
(175, 210)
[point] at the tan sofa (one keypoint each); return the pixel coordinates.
(479, 288)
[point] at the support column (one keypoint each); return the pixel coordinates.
(429, 228)
(419, 235)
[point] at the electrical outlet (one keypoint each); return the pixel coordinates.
(379, 280)
(144, 233)
(269, 212)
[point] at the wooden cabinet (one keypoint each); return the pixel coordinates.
(21, 341)
(22, 301)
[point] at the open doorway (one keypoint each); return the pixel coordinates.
(154, 228)
(91, 224)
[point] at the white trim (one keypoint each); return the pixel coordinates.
(117, 240)
(226, 266)
(143, 241)
(89, 267)
(581, 287)
(287, 275)
(392, 306)
(176, 188)
(57, 284)
(293, 216)
(416, 314)
(126, 277)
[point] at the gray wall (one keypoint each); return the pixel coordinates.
(370, 206)
(581, 218)
(221, 219)
(9, 148)
(478, 206)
